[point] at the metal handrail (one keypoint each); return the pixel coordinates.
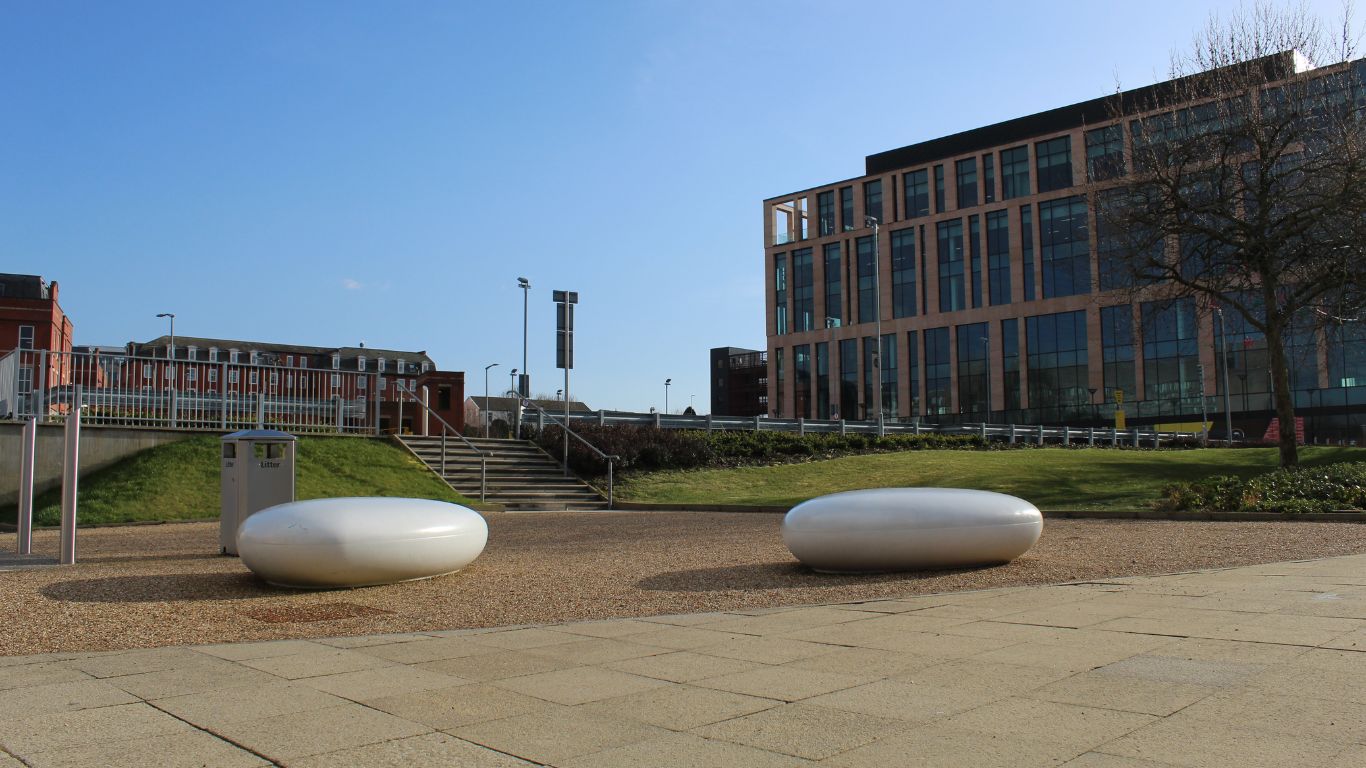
(446, 427)
(611, 459)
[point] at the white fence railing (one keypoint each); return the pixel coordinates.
(123, 390)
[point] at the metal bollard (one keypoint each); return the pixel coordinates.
(1091, 436)
(1012, 434)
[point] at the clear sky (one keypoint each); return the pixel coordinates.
(335, 172)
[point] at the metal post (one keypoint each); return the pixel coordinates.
(1114, 437)
(38, 397)
(223, 396)
(877, 318)
(984, 431)
(1040, 434)
(1135, 434)
(1204, 414)
(842, 426)
(426, 410)
(1091, 436)
(801, 425)
(757, 426)
(398, 428)
(916, 427)
(709, 422)
(1012, 434)
(376, 397)
(609, 482)
(260, 410)
(1223, 364)
(337, 412)
(1066, 435)
(27, 450)
(71, 458)
(657, 420)
(443, 453)
(540, 417)
(566, 420)
(602, 417)
(483, 476)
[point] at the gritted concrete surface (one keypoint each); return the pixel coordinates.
(1261, 665)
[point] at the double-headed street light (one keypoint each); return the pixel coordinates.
(486, 398)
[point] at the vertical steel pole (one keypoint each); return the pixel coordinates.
(223, 396)
(27, 449)
(426, 411)
(443, 453)
(260, 411)
(38, 397)
(1223, 361)
(71, 457)
(609, 482)
(566, 415)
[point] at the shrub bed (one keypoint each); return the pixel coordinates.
(648, 449)
(1295, 490)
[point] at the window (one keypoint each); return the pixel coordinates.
(1056, 345)
(872, 199)
(425, 366)
(192, 353)
(1014, 172)
(274, 378)
(801, 385)
(25, 337)
(336, 380)
(777, 359)
(1064, 249)
(1010, 364)
(847, 208)
(988, 178)
(401, 366)
(938, 374)
(1054, 161)
(834, 291)
(383, 382)
(191, 374)
(869, 407)
(951, 294)
(822, 380)
(903, 272)
(939, 189)
(917, 186)
(975, 258)
(213, 354)
(1027, 250)
(1105, 153)
(779, 297)
(303, 361)
(1117, 350)
(232, 356)
(289, 360)
(967, 182)
(362, 382)
(803, 291)
(998, 257)
(973, 353)
(825, 213)
(232, 377)
(379, 365)
(253, 377)
(148, 370)
(1122, 253)
(252, 357)
(848, 379)
(913, 370)
(1171, 360)
(888, 366)
(168, 371)
(213, 375)
(336, 362)
(360, 363)
(867, 292)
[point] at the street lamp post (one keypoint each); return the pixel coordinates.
(877, 317)
(1223, 366)
(512, 384)
(170, 364)
(987, 343)
(486, 398)
(831, 323)
(524, 390)
(667, 382)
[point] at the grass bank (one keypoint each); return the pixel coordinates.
(1051, 478)
(180, 481)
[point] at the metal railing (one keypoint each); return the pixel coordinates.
(131, 391)
(611, 459)
(447, 429)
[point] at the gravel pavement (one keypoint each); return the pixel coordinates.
(150, 586)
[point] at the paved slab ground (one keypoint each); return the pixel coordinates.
(1251, 666)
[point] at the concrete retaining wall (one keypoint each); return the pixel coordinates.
(100, 447)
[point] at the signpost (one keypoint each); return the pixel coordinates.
(1119, 409)
(564, 351)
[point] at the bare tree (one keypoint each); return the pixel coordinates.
(1246, 183)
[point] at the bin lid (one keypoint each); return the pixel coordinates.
(260, 434)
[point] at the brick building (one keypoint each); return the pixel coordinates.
(739, 381)
(32, 319)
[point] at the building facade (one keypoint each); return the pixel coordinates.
(996, 301)
(31, 319)
(739, 381)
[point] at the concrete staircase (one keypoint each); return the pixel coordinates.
(521, 476)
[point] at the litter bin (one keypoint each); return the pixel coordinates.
(257, 472)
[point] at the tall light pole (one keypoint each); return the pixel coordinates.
(832, 383)
(1223, 365)
(986, 342)
(170, 365)
(485, 410)
(667, 382)
(877, 317)
(525, 285)
(170, 354)
(512, 384)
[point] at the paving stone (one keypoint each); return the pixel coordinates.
(87, 727)
(44, 673)
(680, 707)
(951, 748)
(316, 731)
(243, 651)
(1339, 685)
(684, 638)
(1199, 744)
(521, 639)
(213, 708)
(1207, 649)
(1102, 760)
(370, 684)
(9, 761)
(1325, 719)
(1056, 656)
(683, 619)
(785, 683)
(1079, 728)
(596, 651)
(609, 628)
(177, 682)
(866, 661)
(766, 650)
(428, 649)
(1171, 669)
(60, 697)
(330, 661)
(446, 708)
(992, 677)
(429, 749)
(135, 662)
(905, 701)
(789, 621)
(1091, 689)
(557, 734)
(194, 749)
(802, 730)
(945, 645)
(496, 665)
(683, 666)
(579, 685)
(683, 750)
(366, 641)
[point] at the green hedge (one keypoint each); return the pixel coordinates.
(648, 449)
(1290, 491)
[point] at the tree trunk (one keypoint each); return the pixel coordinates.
(1285, 397)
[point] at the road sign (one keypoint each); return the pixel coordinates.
(1119, 397)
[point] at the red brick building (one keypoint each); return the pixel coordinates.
(31, 318)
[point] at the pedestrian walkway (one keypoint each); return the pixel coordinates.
(1254, 666)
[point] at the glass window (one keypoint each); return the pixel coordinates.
(803, 291)
(1105, 153)
(913, 370)
(938, 373)
(973, 352)
(848, 379)
(825, 212)
(1014, 172)
(1117, 351)
(903, 272)
(192, 353)
(213, 354)
(998, 257)
(1027, 250)
(360, 363)
(847, 208)
(25, 337)
(967, 182)
(336, 361)
(872, 199)
(232, 356)
(917, 185)
(380, 363)
(801, 359)
(888, 366)
(1064, 247)
(988, 178)
(779, 296)
(951, 293)
(834, 290)
(1010, 364)
(1056, 345)
(779, 376)
(822, 380)
(867, 290)
(1054, 160)
(975, 258)
(939, 189)
(1171, 359)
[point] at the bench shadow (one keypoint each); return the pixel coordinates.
(784, 575)
(160, 588)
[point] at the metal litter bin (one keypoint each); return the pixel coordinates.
(257, 472)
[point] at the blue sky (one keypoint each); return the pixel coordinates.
(335, 172)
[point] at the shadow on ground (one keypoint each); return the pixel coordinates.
(773, 576)
(166, 587)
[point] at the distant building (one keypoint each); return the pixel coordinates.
(501, 408)
(739, 382)
(31, 319)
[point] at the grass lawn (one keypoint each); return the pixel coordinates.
(180, 481)
(1051, 478)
